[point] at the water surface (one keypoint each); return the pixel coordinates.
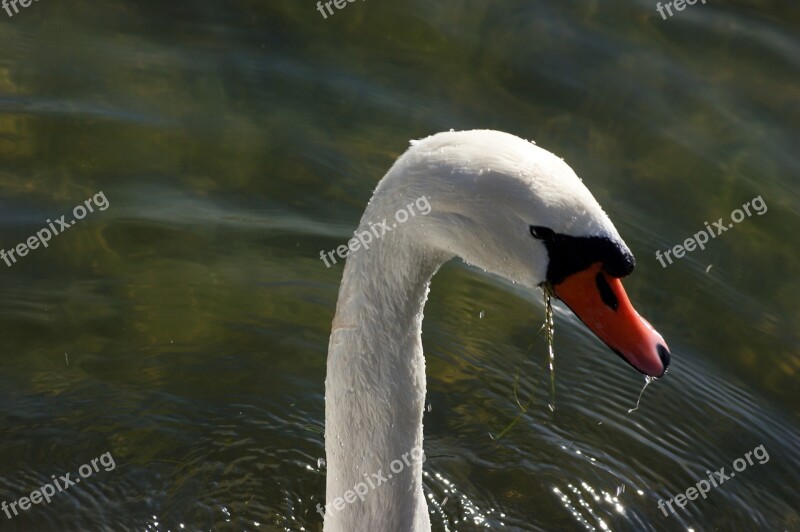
(184, 329)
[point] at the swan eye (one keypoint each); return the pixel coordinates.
(542, 233)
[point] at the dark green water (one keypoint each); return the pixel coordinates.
(184, 329)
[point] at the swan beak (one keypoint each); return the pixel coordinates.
(599, 300)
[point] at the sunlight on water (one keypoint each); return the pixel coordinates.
(587, 504)
(186, 328)
(472, 514)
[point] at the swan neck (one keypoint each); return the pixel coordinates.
(375, 389)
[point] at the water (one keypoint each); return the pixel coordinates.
(647, 380)
(184, 329)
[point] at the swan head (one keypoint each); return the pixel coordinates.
(516, 210)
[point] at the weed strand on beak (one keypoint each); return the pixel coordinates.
(549, 326)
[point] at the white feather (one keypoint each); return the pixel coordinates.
(485, 189)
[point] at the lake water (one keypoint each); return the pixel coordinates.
(184, 328)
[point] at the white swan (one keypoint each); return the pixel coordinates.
(502, 204)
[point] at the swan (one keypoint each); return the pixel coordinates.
(502, 204)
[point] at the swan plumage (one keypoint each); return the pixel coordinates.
(500, 203)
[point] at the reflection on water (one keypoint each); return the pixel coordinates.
(185, 329)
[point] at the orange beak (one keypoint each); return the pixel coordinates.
(599, 300)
